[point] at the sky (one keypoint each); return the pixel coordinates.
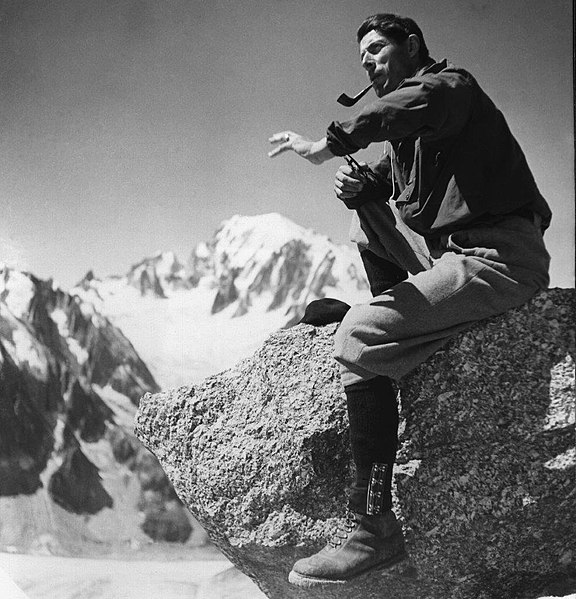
(135, 126)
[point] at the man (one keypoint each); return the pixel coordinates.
(465, 219)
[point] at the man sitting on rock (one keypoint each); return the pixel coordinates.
(453, 203)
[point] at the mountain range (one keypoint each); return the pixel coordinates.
(73, 365)
(256, 275)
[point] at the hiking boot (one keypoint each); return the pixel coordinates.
(360, 544)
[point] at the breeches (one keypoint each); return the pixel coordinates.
(467, 276)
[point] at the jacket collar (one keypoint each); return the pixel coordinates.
(432, 67)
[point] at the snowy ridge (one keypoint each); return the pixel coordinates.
(269, 254)
(71, 470)
(157, 274)
(71, 365)
(256, 275)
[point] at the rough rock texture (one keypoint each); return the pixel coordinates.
(485, 484)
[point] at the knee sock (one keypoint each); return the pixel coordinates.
(382, 274)
(373, 416)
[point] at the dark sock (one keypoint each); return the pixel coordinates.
(382, 274)
(373, 416)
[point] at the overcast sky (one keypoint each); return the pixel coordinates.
(131, 126)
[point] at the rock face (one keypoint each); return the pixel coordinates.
(485, 481)
(70, 467)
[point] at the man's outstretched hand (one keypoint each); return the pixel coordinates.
(315, 152)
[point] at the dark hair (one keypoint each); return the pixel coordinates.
(396, 28)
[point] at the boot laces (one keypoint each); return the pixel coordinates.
(343, 530)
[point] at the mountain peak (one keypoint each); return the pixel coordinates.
(255, 275)
(269, 258)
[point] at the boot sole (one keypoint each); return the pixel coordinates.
(309, 581)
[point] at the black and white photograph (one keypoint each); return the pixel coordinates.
(287, 303)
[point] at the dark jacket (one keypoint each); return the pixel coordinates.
(454, 158)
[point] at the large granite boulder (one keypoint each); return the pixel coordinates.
(485, 482)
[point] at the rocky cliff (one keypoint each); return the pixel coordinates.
(485, 482)
(70, 467)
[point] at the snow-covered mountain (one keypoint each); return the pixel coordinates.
(71, 470)
(257, 274)
(73, 366)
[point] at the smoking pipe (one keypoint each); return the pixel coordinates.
(347, 101)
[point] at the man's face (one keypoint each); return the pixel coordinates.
(386, 62)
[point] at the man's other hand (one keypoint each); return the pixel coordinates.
(348, 183)
(315, 152)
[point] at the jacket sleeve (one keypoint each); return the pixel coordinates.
(434, 106)
(381, 167)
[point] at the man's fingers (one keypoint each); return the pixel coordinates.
(346, 188)
(346, 185)
(279, 149)
(345, 169)
(285, 138)
(281, 137)
(351, 185)
(276, 138)
(348, 176)
(344, 179)
(344, 195)
(314, 152)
